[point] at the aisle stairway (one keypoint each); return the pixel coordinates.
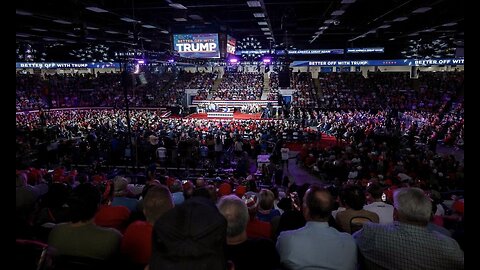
(216, 83)
(266, 86)
(318, 88)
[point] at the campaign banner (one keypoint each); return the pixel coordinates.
(231, 44)
(316, 51)
(259, 51)
(394, 62)
(57, 65)
(366, 50)
(196, 45)
(292, 52)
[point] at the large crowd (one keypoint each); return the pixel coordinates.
(382, 179)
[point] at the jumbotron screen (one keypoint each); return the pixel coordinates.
(196, 45)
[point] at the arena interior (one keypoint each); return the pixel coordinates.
(234, 134)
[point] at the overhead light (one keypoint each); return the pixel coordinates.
(148, 26)
(384, 26)
(269, 37)
(23, 13)
(112, 32)
(50, 39)
(96, 9)
(177, 6)
(147, 40)
(422, 10)
(338, 12)
(262, 23)
(90, 38)
(92, 28)
(39, 30)
(265, 29)
(328, 21)
(180, 19)
(267, 33)
(195, 17)
(371, 32)
(348, 1)
(318, 32)
(429, 30)
(22, 35)
(400, 19)
(254, 3)
(258, 15)
(323, 27)
(164, 32)
(413, 34)
(392, 39)
(449, 24)
(125, 19)
(72, 35)
(62, 22)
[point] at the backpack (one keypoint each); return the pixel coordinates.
(192, 235)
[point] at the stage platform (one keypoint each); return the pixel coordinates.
(236, 115)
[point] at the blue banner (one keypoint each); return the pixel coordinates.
(293, 52)
(55, 65)
(366, 50)
(326, 69)
(316, 51)
(395, 62)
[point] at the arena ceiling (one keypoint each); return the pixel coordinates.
(407, 27)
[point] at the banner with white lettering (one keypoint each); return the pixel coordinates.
(395, 62)
(196, 45)
(59, 65)
(366, 50)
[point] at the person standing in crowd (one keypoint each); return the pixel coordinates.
(285, 152)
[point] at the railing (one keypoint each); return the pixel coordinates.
(233, 103)
(220, 114)
(162, 109)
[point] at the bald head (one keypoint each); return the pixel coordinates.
(318, 204)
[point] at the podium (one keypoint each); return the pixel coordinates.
(262, 159)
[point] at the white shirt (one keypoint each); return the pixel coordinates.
(317, 246)
(162, 152)
(383, 210)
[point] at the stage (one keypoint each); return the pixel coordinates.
(236, 116)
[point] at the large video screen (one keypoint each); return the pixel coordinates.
(231, 45)
(196, 45)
